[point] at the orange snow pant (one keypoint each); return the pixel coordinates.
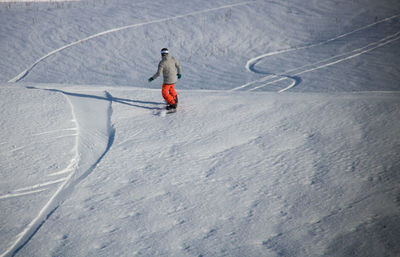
(169, 93)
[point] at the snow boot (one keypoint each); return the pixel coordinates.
(171, 107)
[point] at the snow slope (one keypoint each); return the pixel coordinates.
(92, 166)
(291, 174)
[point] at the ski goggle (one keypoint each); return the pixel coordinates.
(164, 51)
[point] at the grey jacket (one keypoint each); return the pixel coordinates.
(169, 67)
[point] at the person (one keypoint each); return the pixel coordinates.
(170, 68)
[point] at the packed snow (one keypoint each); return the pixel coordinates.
(285, 143)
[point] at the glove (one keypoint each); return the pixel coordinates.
(179, 76)
(151, 79)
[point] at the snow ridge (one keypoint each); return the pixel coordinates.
(110, 141)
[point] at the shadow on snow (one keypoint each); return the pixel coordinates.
(130, 102)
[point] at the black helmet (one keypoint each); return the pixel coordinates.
(164, 51)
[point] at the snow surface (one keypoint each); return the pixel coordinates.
(286, 141)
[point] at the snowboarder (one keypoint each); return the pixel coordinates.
(171, 70)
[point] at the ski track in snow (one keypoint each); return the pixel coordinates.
(323, 63)
(43, 214)
(10, 195)
(23, 74)
(32, 189)
(76, 173)
(41, 186)
(54, 131)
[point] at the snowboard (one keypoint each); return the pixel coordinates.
(171, 111)
(164, 111)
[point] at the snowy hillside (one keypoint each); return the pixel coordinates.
(285, 142)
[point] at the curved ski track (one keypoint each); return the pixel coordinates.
(77, 170)
(23, 74)
(293, 74)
